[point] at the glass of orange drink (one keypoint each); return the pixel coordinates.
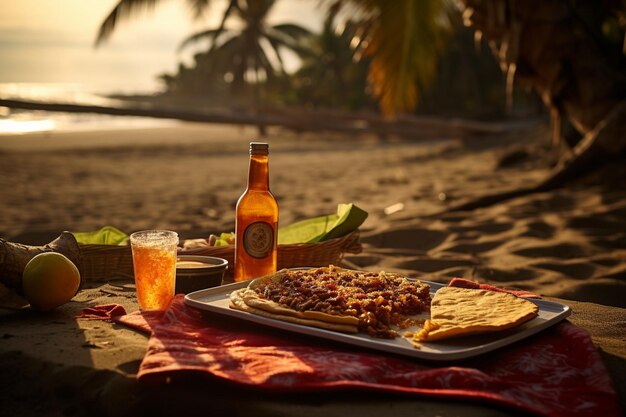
(154, 262)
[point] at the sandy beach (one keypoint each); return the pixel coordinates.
(569, 243)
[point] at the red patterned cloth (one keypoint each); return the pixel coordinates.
(556, 373)
(466, 283)
(105, 311)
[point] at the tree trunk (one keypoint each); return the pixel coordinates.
(556, 48)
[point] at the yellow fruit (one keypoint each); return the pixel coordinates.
(50, 280)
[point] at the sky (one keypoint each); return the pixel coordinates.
(51, 41)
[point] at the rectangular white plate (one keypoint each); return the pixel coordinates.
(216, 300)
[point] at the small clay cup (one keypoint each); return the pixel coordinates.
(195, 272)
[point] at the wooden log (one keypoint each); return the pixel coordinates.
(414, 127)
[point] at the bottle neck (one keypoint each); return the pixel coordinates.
(258, 173)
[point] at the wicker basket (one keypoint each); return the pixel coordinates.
(103, 261)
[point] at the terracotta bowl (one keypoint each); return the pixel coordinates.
(196, 272)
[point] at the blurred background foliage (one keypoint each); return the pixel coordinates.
(404, 56)
(334, 74)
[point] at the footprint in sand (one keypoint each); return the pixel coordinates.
(559, 250)
(433, 265)
(528, 208)
(539, 229)
(577, 270)
(504, 275)
(452, 217)
(598, 291)
(471, 247)
(414, 238)
(363, 261)
(617, 241)
(619, 273)
(619, 210)
(595, 225)
(456, 273)
(483, 229)
(607, 261)
(556, 201)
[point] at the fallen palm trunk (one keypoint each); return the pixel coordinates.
(15, 256)
(416, 127)
(606, 141)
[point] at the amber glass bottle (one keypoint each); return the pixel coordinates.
(257, 220)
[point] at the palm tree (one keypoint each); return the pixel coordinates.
(333, 66)
(128, 9)
(403, 39)
(252, 54)
(248, 50)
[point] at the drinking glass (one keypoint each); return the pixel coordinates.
(154, 262)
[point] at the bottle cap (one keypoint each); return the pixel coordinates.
(259, 148)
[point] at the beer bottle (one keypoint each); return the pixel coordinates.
(256, 220)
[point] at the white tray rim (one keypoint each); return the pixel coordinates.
(560, 311)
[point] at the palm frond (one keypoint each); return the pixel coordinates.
(281, 41)
(210, 34)
(404, 44)
(220, 59)
(262, 61)
(198, 7)
(233, 6)
(229, 48)
(124, 10)
(256, 10)
(275, 46)
(127, 9)
(294, 31)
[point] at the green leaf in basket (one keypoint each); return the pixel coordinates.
(306, 231)
(225, 239)
(347, 219)
(108, 235)
(350, 218)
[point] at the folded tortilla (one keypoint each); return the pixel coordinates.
(462, 311)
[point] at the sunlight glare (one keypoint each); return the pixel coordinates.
(16, 127)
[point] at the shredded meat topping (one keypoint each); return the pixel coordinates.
(378, 300)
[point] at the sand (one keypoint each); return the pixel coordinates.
(569, 243)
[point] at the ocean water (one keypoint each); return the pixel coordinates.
(16, 121)
(47, 54)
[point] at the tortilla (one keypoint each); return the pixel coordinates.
(238, 302)
(461, 311)
(253, 299)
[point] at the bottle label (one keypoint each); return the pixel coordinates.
(258, 239)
